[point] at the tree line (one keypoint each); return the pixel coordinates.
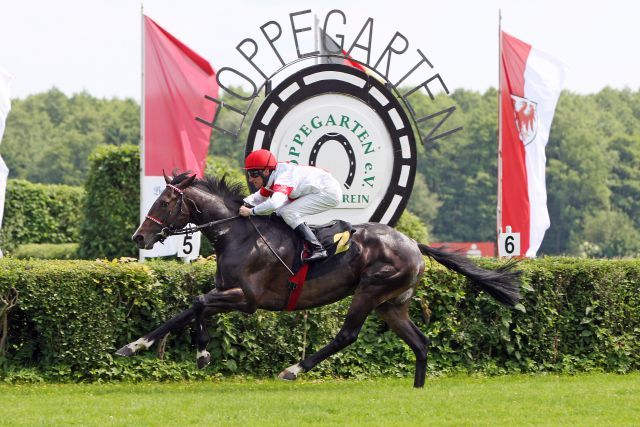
(593, 161)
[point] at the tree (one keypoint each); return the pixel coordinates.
(49, 136)
(625, 175)
(577, 172)
(460, 168)
(424, 203)
(610, 234)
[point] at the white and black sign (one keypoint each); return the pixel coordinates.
(189, 245)
(336, 116)
(345, 121)
(509, 243)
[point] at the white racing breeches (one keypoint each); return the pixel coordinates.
(293, 211)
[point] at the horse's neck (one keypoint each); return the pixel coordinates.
(210, 207)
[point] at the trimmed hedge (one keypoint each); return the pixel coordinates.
(71, 316)
(40, 213)
(112, 206)
(46, 251)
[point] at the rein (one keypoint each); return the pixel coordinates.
(269, 246)
(193, 229)
(169, 231)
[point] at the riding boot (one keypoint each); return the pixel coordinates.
(317, 251)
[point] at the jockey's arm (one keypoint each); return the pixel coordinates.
(255, 199)
(269, 206)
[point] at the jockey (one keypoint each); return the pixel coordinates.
(292, 192)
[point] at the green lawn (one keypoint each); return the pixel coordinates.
(594, 400)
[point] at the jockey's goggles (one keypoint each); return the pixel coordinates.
(254, 173)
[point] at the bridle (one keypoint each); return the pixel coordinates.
(168, 229)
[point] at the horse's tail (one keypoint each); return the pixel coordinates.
(502, 283)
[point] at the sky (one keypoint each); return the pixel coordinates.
(95, 45)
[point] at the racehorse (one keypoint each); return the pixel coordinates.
(381, 270)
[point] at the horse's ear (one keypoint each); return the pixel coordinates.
(187, 182)
(166, 178)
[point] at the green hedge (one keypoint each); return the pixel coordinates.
(111, 210)
(40, 213)
(46, 251)
(71, 316)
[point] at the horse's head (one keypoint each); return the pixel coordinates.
(168, 213)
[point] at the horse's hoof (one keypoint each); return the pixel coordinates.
(133, 347)
(287, 375)
(291, 373)
(126, 351)
(203, 359)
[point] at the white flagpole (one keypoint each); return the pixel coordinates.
(142, 122)
(500, 77)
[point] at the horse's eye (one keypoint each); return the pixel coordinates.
(164, 204)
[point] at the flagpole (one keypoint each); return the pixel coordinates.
(142, 114)
(315, 36)
(500, 77)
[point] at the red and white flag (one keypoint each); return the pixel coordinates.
(530, 84)
(174, 84)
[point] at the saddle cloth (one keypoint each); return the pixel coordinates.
(335, 237)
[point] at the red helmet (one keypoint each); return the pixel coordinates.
(260, 159)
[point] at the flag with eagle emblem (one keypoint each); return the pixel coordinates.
(530, 84)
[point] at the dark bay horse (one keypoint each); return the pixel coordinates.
(381, 276)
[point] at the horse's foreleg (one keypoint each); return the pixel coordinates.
(177, 322)
(215, 302)
(203, 358)
(360, 308)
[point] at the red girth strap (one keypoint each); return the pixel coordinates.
(297, 282)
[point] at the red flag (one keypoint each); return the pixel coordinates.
(530, 84)
(175, 82)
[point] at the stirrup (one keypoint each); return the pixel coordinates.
(317, 256)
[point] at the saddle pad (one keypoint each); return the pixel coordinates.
(335, 236)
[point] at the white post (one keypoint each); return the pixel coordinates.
(142, 123)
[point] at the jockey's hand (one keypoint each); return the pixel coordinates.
(244, 211)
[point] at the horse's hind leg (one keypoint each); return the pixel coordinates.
(360, 308)
(177, 322)
(397, 317)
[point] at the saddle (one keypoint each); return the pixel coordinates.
(335, 237)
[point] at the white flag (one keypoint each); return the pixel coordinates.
(5, 106)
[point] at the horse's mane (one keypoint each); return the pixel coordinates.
(229, 190)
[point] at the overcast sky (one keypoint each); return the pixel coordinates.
(94, 45)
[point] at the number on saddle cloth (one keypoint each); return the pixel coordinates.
(335, 237)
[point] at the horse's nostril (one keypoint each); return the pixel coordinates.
(137, 238)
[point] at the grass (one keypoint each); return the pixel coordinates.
(581, 400)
